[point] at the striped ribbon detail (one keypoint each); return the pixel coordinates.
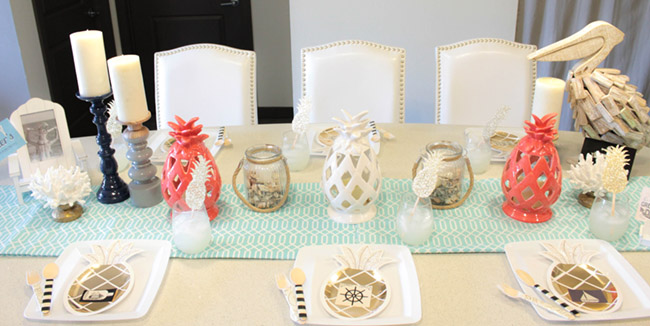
(47, 297)
(302, 308)
(220, 134)
(557, 300)
(373, 126)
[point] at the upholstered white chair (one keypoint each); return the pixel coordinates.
(213, 82)
(355, 76)
(479, 76)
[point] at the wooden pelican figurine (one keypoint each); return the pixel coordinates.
(604, 105)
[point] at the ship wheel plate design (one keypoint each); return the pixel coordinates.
(355, 294)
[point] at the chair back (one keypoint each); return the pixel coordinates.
(355, 76)
(213, 82)
(479, 76)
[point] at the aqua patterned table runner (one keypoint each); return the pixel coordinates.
(477, 226)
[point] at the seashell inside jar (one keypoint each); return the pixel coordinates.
(449, 189)
(266, 178)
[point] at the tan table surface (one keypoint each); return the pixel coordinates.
(456, 289)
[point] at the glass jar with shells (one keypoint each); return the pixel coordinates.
(448, 192)
(266, 178)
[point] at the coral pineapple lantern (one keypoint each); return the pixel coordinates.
(184, 152)
(532, 176)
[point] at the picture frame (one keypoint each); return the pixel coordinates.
(44, 127)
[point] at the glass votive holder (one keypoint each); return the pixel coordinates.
(191, 229)
(606, 224)
(479, 150)
(295, 149)
(414, 221)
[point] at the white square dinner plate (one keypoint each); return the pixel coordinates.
(149, 268)
(634, 290)
(404, 307)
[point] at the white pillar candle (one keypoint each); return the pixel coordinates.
(128, 88)
(549, 92)
(90, 63)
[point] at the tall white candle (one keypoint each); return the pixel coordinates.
(90, 63)
(549, 92)
(128, 88)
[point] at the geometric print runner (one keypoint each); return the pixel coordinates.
(478, 225)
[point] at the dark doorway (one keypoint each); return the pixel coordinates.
(55, 21)
(149, 26)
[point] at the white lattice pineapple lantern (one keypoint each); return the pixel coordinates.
(351, 178)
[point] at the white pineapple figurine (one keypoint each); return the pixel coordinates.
(191, 228)
(351, 177)
(357, 290)
(106, 281)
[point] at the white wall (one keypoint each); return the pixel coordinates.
(23, 71)
(416, 25)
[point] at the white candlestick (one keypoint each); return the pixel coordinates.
(549, 92)
(128, 88)
(90, 63)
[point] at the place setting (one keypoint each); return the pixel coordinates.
(352, 285)
(99, 281)
(576, 280)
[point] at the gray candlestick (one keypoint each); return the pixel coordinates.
(145, 185)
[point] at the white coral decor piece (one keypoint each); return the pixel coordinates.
(60, 186)
(587, 175)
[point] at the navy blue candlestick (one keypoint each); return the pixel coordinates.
(113, 189)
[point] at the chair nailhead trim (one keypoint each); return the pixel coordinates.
(224, 49)
(474, 41)
(400, 51)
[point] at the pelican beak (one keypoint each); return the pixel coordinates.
(596, 37)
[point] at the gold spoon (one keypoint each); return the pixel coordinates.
(518, 295)
(528, 280)
(34, 280)
(298, 278)
(50, 272)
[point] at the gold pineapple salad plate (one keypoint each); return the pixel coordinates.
(106, 280)
(590, 275)
(360, 285)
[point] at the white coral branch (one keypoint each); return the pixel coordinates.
(587, 175)
(60, 186)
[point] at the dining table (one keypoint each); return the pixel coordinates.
(455, 288)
